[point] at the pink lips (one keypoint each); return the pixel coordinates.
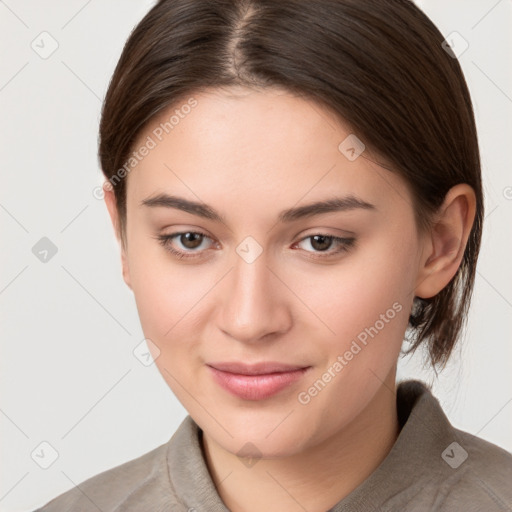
(258, 381)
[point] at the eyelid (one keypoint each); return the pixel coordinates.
(164, 239)
(344, 245)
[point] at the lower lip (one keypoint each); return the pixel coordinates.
(256, 387)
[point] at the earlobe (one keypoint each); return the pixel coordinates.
(126, 269)
(110, 202)
(447, 241)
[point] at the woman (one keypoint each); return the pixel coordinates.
(296, 188)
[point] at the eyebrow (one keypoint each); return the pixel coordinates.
(336, 204)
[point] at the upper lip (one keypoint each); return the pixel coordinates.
(262, 368)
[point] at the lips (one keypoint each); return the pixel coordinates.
(262, 368)
(256, 381)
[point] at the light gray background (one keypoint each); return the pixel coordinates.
(69, 326)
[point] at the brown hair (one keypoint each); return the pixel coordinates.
(378, 65)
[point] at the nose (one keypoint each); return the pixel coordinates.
(255, 303)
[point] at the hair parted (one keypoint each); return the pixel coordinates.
(379, 66)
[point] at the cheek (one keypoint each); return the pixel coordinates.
(340, 301)
(366, 303)
(164, 292)
(352, 295)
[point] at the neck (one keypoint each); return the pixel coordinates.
(315, 479)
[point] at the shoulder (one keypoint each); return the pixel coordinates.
(479, 474)
(438, 467)
(129, 486)
(485, 456)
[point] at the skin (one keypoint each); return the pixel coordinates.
(251, 154)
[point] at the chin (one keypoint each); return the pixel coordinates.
(268, 438)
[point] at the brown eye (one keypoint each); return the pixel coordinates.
(191, 240)
(322, 243)
(187, 242)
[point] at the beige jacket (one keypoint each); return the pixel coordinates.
(431, 467)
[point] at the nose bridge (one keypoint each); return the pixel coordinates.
(251, 306)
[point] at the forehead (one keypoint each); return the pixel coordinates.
(254, 147)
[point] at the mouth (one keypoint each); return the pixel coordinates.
(257, 381)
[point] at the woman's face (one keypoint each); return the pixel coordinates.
(261, 285)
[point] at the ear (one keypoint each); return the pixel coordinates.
(445, 244)
(110, 201)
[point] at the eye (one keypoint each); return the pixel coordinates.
(189, 239)
(322, 243)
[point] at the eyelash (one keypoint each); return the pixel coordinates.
(346, 244)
